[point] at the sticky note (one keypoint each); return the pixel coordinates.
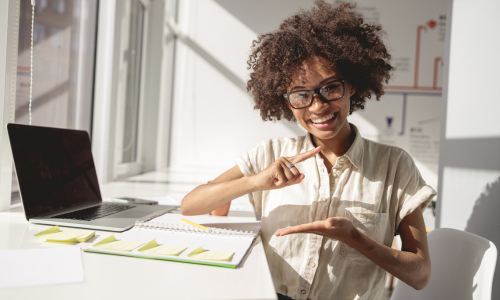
(86, 236)
(202, 254)
(55, 235)
(111, 243)
(50, 231)
(153, 248)
(69, 236)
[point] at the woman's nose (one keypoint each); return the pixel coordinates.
(317, 104)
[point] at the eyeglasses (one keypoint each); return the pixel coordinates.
(329, 92)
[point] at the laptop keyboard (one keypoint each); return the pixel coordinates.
(94, 212)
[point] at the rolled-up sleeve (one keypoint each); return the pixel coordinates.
(412, 191)
(253, 162)
(256, 160)
(245, 164)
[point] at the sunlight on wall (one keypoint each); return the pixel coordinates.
(460, 190)
(214, 120)
(223, 36)
(473, 113)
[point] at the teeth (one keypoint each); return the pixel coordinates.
(323, 119)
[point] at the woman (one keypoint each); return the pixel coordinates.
(331, 201)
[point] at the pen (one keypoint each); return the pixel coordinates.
(194, 224)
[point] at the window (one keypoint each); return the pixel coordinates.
(63, 68)
(129, 87)
(134, 59)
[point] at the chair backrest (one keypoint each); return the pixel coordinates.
(463, 265)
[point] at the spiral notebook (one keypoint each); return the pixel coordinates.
(223, 244)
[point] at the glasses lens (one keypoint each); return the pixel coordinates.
(332, 91)
(300, 99)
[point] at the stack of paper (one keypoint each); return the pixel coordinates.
(31, 267)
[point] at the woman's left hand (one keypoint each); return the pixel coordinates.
(337, 228)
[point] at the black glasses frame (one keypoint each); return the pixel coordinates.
(316, 91)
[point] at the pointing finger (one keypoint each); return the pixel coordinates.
(303, 156)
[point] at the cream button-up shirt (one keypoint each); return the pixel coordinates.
(373, 185)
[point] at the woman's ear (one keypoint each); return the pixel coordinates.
(353, 90)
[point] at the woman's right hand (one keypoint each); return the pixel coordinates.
(278, 175)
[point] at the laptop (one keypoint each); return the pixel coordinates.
(58, 181)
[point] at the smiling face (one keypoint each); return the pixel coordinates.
(323, 120)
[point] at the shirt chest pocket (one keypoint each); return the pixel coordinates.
(374, 225)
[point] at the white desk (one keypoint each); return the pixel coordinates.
(119, 277)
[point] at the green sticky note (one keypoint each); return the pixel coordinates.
(153, 248)
(202, 254)
(111, 243)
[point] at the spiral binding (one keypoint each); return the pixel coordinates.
(186, 228)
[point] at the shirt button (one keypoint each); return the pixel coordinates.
(342, 159)
(303, 291)
(324, 199)
(334, 174)
(312, 264)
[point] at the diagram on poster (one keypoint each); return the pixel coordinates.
(408, 115)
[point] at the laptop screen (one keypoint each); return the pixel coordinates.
(54, 167)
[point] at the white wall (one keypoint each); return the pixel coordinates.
(213, 117)
(469, 161)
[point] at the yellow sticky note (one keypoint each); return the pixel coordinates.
(202, 254)
(55, 235)
(153, 248)
(87, 236)
(111, 243)
(46, 233)
(66, 236)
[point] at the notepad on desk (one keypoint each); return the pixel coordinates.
(181, 242)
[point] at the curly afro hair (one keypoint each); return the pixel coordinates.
(335, 32)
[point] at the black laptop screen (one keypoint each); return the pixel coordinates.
(54, 167)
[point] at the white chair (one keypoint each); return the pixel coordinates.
(463, 265)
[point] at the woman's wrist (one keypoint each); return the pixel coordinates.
(360, 241)
(355, 238)
(251, 183)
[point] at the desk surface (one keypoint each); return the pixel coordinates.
(119, 277)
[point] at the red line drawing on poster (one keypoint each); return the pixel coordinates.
(437, 61)
(431, 24)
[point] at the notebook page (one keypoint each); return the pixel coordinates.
(238, 245)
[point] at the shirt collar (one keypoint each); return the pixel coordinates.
(355, 152)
